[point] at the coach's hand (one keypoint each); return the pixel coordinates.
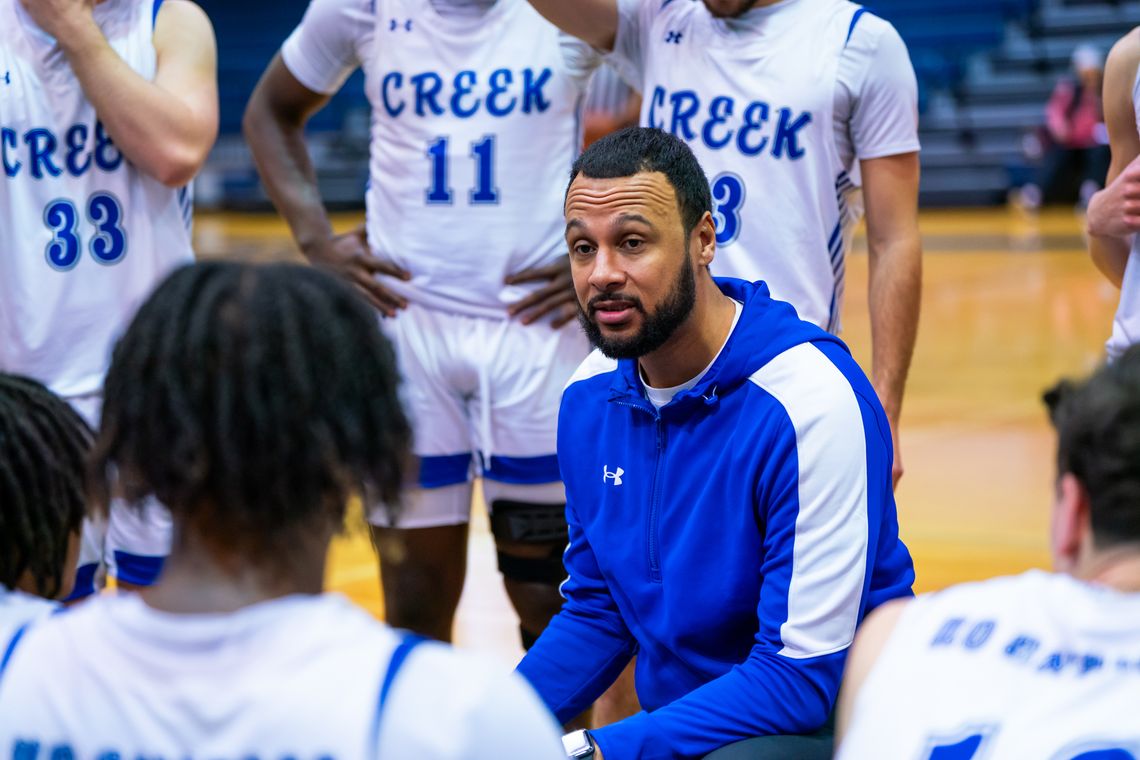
(58, 17)
(348, 257)
(556, 298)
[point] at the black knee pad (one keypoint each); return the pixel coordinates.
(528, 639)
(526, 523)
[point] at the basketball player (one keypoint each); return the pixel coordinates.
(107, 110)
(43, 443)
(1036, 665)
(801, 112)
(1114, 212)
(254, 401)
(475, 112)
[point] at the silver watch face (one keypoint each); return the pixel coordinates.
(577, 744)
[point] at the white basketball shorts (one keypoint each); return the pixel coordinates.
(483, 397)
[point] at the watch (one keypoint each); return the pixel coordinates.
(578, 744)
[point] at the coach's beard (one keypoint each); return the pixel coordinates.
(656, 328)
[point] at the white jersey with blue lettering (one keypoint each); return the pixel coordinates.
(1126, 323)
(84, 235)
(1038, 665)
(779, 106)
(475, 127)
(302, 677)
(17, 610)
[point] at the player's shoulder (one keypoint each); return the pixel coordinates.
(453, 684)
(866, 31)
(179, 12)
(993, 596)
(596, 365)
(1125, 53)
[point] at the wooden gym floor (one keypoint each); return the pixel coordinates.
(1010, 304)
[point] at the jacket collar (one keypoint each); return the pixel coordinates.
(766, 328)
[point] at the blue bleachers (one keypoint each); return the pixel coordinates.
(249, 34)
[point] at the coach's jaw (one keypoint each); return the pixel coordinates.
(634, 267)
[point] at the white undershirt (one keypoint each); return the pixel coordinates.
(659, 397)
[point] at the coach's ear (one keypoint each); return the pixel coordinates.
(1072, 523)
(702, 241)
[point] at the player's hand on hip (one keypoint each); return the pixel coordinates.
(1115, 210)
(556, 298)
(57, 17)
(349, 257)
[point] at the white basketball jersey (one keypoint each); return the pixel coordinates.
(475, 127)
(758, 113)
(1126, 323)
(17, 609)
(84, 235)
(299, 677)
(1033, 666)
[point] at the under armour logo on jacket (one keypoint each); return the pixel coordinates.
(7, 77)
(394, 25)
(674, 37)
(614, 476)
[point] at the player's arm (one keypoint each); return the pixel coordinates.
(890, 191)
(165, 127)
(869, 643)
(1114, 212)
(594, 21)
(274, 126)
(883, 124)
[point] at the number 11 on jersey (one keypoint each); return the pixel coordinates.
(483, 153)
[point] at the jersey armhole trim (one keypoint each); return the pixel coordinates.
(395, 664)
(154, 12)
(854, 20)
(12, 647)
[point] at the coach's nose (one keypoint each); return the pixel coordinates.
(607, 273)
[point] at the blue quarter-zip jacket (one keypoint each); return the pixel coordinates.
(732, 541)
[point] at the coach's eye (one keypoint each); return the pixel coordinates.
(633, 244)
(582, 249)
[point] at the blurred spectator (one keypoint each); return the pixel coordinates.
(1075, 150)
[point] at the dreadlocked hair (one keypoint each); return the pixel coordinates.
(252, 401)
(43, 445)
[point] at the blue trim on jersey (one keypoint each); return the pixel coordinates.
(526, 471)
(84, 582)
(12, 647)
(399, 657)
(138, 569)
(854, 20)
(154, 12)
(447, 470)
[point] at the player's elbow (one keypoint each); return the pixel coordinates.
(178, 165)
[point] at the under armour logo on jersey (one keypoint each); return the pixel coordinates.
(674, 37)
(615, 476)
(395, 24)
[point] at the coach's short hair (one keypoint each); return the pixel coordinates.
(634, 150)
(1098, 431)
(43, 447)
(252, 400)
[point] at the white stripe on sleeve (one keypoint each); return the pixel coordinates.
(829, 561)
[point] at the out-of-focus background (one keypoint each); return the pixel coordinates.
(1011, 150)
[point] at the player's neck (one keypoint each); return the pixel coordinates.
(695, 343)
(1117, 568)
(197, 578)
